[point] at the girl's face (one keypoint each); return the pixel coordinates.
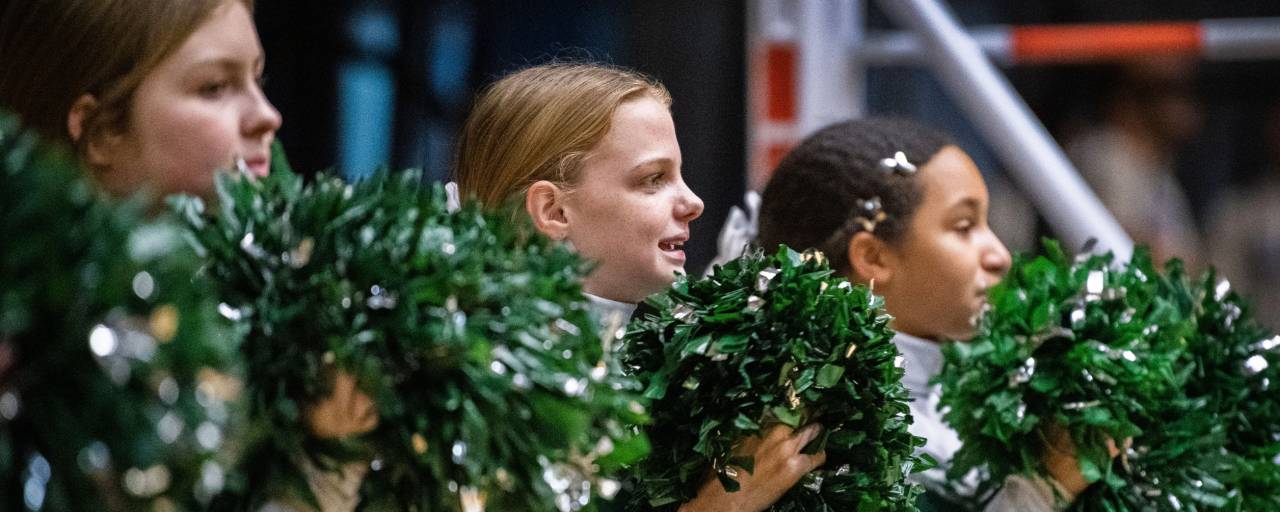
(630, 211)
(198, 111)
(944, 263)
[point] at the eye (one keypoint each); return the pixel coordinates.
(214, 89)
(655, 180)
(964, 226)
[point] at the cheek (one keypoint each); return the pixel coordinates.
(944, 272)
(618, 226)
(209, 138)
(189, 141)
(640, 218)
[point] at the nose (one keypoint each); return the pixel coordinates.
(995, 256)
(688, 205)
(261, 119)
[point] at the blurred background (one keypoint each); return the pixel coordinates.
(1183, 150)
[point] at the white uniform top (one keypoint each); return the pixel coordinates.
(610, 314)
(923, 359)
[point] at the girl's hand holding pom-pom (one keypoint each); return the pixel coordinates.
(346, 412)
(779, 465)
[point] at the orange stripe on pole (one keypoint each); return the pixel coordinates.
(1080, 43)
(781, 68)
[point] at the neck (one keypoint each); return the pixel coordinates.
(603, 289)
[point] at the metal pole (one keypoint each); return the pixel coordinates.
(904, 48)
(1241, 39)
(831, 88)
(1213, 40)
(1017, 136)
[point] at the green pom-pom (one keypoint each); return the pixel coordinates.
(470, 333)
(1195, 399)
(1235, 369)
(1085, 344)
(767, 340)
(113, 391)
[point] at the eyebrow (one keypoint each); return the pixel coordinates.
(653, 162)
(970, 202)
(227, 62)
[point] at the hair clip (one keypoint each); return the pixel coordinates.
(869, 214)
(898, 164)
(872, 213)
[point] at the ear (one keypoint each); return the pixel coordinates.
(96, 153)
(544, 201)
(870, 259)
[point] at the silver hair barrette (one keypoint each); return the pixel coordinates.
(898, 164)
(871, 214)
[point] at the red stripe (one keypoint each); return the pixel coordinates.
(1081, 43)
(780, 82)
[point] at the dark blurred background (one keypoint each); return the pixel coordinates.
(365, 83)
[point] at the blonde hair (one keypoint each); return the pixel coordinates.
(57, 51)
(539, 123)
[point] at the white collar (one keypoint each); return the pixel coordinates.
(605, 307)
(923, 359)
(611, 314)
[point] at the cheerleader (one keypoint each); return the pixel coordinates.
(590, 153)
(900, 208)
(154, 96)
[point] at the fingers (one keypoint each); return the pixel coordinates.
(807, 434)
(801, 463)
(343, 385)
(812, 462)
(1114, 450)
(360, 413)
(346, 411)
(781, 447)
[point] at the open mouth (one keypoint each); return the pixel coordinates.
(672, 245)
(257, 167)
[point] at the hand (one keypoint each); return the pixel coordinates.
(778, 466)
(1061, 463)
(347, 411)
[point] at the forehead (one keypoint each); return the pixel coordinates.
(950, 179)
(228, 33)
(639, 127)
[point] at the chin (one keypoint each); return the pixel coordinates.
(666, 277)
(667, 270)
(649, 283)
(963, 335)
